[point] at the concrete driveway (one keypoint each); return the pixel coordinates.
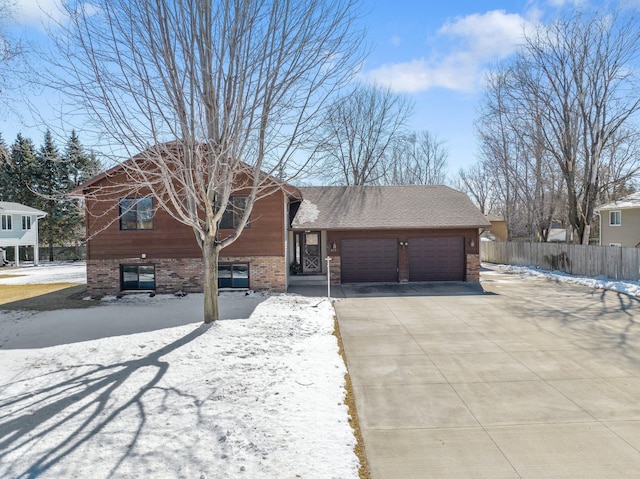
(530, 378)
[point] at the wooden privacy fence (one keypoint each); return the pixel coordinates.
(583, 260)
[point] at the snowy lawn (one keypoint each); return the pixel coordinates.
(632, 288)
(57, 272)
(137, 387)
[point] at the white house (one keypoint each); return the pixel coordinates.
(19, 227)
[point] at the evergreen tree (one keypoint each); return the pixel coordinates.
(5, 180)
(20, 173)
(51, 184)
(82, 166)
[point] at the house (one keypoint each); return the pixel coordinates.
(620, 222)
(18, 227)
(387, 233)
(371, 233)
(498, 229)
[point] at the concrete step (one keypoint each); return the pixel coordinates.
(308, 280)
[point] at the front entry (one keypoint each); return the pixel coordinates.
(311, 260)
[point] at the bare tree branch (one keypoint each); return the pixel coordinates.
(213, 97)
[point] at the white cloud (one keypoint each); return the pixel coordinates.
(470, 43)
(37, 12)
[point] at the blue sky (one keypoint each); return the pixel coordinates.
(435, 52)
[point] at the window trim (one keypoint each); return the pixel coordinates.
(135, 210)
(137, 266)
(6, 222)
(26, 221)
(236, 217)
(619, 214)
(232, 264)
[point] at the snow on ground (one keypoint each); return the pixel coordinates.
(58, 272)
(256, 397)
(631, 288)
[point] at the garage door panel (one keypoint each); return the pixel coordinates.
(369, 260)
(436, 259)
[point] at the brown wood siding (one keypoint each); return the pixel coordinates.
(437, 259)
(369, 260)
(171, 239)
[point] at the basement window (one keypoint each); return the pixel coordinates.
(233, 275)
(134, 277)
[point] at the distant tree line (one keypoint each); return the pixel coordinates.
(41, 178)
(558, 126)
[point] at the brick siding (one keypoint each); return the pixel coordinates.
(266, 273)
(473, 268)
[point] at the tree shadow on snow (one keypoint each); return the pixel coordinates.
(74, 411)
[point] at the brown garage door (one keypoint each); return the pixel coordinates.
(436, 259)
(369, 260)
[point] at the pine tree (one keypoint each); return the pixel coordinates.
(5, 180)
(51, 183)
(82, 166)
(20, 173)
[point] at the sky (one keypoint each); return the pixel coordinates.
(435, 52)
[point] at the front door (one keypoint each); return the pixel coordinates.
(311, 252)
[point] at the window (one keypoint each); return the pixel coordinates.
(137, 277)
(233, 214)
(615, 218)
(615, 244)
(5, 222)
(136, 214)
(26, 223)
(233, 275)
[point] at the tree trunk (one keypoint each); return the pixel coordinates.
(50, 249)
(210, 259)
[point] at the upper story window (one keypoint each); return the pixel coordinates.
(26, 223)
(615, 218)
(233, 214)
(136, 214)
(5, 223)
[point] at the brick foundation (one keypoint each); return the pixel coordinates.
(266, 273)
(473, 268)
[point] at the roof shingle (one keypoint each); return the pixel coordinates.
(386, 207)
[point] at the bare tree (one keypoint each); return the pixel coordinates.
(526, 178)
(478, 182)
(358, 133)
(419, 158)
(10, 49)
(215, 97)
(578, 74)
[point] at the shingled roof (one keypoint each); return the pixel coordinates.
(386, 207)
(10, 207)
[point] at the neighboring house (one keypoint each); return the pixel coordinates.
(620, 222)
(394, 233)
(498, 230)
(19, 227)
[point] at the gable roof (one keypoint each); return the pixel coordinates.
(624, 203)
(386, 207)
(79, 191)
(10, 207)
